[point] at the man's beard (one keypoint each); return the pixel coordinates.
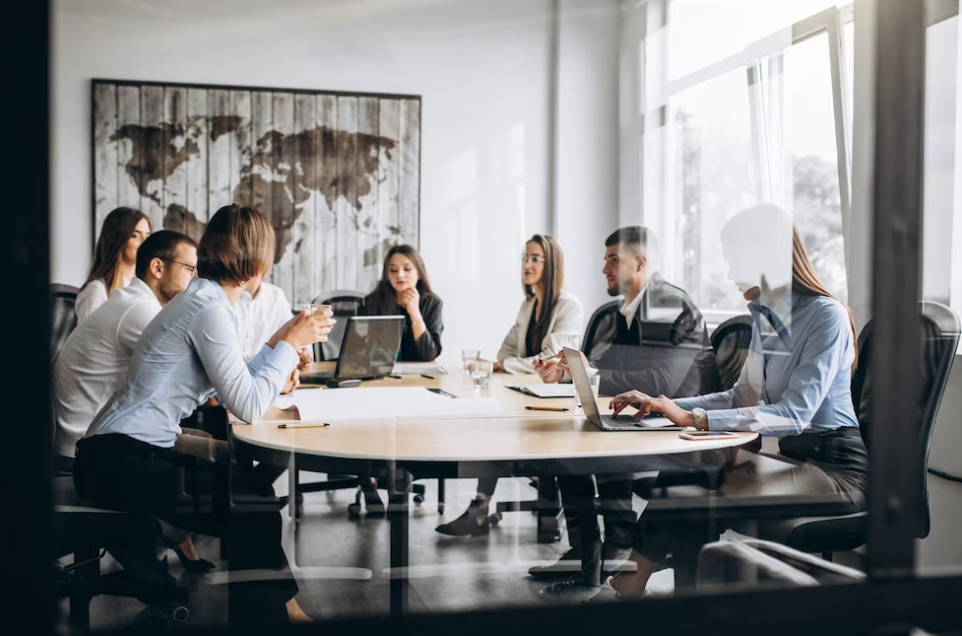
(168, 290)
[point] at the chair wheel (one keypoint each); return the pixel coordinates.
(440, 508)
(495, 518)
(354, 510)
(419, 499)
(180, 614)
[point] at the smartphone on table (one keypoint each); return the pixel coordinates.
(699, 435)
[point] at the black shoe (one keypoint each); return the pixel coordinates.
(193, 567)
(473, 522)
(373, 505)
(574, 590)
(568, 563)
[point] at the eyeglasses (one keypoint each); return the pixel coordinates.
(190, 268)
(534, 260)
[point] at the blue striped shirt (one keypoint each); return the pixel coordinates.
(188, 352)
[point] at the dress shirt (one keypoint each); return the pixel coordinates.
(188, 352)
(94, 360)
(93, 295)
(259, 317)
(630, 309)
(798, 374)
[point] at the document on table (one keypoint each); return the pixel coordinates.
(417, 368)
(545, 390)
(370, 403)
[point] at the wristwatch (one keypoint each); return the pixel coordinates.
(700, 418)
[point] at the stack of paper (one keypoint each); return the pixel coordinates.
(417, 368)
(382, 403)
(545, 390)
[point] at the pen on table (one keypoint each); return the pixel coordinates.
(395, 377)
(425, 375)
(325, 424)
(557, 409)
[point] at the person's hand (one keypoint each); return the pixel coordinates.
(550, 372)
(293, 381)
(647, 404)
(410, 299)
(303, 329)
(306, 358)
(498, 366)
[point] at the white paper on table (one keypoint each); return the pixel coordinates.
(417, 368)
(372, 403)
(545, 390)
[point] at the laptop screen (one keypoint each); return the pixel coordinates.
(370, 346)
(579, 375)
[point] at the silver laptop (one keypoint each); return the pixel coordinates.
(623, 422)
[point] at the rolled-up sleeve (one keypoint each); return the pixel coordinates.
(247, 389)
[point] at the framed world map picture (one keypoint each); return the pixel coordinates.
(337, 173)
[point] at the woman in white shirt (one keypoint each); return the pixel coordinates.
(115, 258)
(190, 351)
(550, 319)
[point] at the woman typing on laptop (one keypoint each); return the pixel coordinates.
(795, 385)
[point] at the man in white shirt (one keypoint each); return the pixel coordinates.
(261, 310)
(94, 360)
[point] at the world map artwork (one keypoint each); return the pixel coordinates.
(338, 175)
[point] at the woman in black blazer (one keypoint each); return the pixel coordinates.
(404, 290)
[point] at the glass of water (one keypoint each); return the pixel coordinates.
(594, 381)
(468, 356)
(481, 371)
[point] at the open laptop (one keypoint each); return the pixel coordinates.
(368, 350)
(623, 422)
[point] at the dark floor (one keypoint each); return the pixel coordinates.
(342, 564)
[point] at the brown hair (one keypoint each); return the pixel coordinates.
(552, 282)
(806, 281)
(383, 300)
(162, 245)
(116, 230)
(237, 245)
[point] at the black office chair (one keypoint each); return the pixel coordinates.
(63, 318)
(345, 304)
(827, 535)
(731, 341)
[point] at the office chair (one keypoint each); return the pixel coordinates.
(731, 341)
(826, 535)
(63, 319)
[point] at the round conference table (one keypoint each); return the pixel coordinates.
(513, 442)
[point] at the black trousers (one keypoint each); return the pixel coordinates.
(121, 473)
(578, 499)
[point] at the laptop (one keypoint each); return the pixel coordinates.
(368, 350)
(623, 422)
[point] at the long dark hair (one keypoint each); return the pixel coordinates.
(383, 300)
(552, 282)
(114, 234)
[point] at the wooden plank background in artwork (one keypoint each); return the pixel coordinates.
(337, 173)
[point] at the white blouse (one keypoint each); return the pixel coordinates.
(564, 330)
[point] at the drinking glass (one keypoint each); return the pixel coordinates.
(594, 381)
(468, 356)
(481, 371)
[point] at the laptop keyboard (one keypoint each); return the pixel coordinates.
(620, 420)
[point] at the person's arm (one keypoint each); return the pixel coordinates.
(566, 332)
(245, 389)
(132, 325)
(89, 299)
(824, 353)
(428, 345)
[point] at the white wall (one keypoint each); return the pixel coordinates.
(482, 69)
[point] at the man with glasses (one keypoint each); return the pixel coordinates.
(94, 360)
